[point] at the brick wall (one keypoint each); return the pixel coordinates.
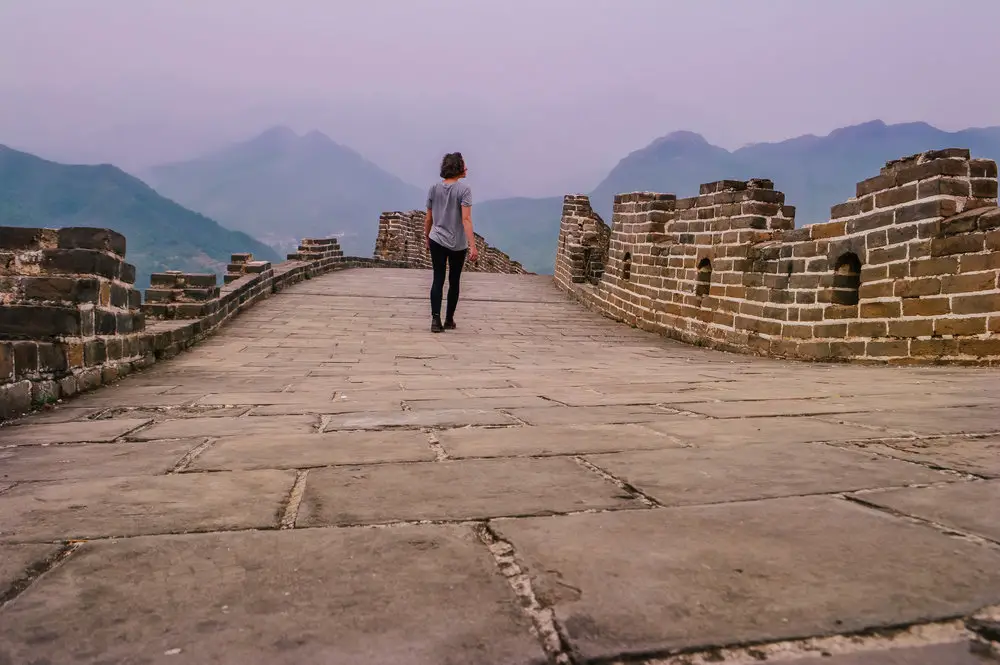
(71, 320)
(401, 239)
(905, 272)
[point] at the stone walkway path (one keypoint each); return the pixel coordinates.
(327, 482)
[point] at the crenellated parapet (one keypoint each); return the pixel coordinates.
(905, 272)
(401, 239)
(71, 319)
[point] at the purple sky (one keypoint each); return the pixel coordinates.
(543, 96)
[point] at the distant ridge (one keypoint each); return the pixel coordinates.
(279, 187)
(162, 235)
(814, 172)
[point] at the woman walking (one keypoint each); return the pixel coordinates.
(448, 229)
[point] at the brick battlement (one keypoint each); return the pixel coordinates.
(401, 239)
(905, 272)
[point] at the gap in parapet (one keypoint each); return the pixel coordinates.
(906, 272)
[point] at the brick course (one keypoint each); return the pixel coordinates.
(907, 271)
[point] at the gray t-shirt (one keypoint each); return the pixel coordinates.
(445, 201)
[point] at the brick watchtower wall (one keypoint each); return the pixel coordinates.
(584, 242)
(905, 272)
(69, 315)
(401, 239)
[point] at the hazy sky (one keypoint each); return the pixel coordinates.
(543, 96)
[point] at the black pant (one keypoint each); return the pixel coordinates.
(440, 257)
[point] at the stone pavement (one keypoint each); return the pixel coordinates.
(326, 482)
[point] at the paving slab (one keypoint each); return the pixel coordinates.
(16, 560)
(970, 506)
(419, 418)
(687, 476)
(95, 460)
(464, 489)
(958, 420)
(777, 407)
(680, 578)
(595, 415)
(790, 430)
(92, 430)
(427, 595)
(256, 398)
(300, 451)
(191, 427)
(550, 440)
(481, 403)
(139, 505)
(979, 456)
(954, 653)
(57, 414)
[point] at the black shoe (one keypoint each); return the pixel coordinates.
(449, 324)
(436, 326)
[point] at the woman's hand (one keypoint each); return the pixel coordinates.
(473, 252)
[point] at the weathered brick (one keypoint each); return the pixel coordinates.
(981, 348)
(896, 196)
(871, 221)
(900, 234)
(979, 262)
(968, 283)
(961, 244)
(840, 312)
(913, 288)
(867, 329)
(39, 321)
(936, 266)
(978, 304)
(947, 167)
(25, 359)
(846, 209)
(18, 238)
(74, 354)
(982, 168)
(887, 254)
(828, 230)
(876, 239)
(80, 237)
(875, 184)
(984, 188)
(841, 349)
(880, 310)
(81, 262)
(926, 306)
(934, 347)
(6, 362)
(943, 186)
(975, 325)
(876, 290)
(911, 328)
(993, 241)
(51, 357)
(94, 352)
(926, 210)
(67, 289)
(887, 349)
(825, 330)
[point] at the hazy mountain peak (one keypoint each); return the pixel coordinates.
(681, 138)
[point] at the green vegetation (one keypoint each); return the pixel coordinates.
(161, 234)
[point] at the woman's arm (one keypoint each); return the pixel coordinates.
(470, 235)
(428, 223)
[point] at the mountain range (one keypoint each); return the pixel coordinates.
(161, 234)
(281, 187)
(814, 172)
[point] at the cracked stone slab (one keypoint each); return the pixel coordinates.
(329, 407)
(958, 420)
(687, 476)
(677, 578)
(970, 506)
(263, 398)
(299, 451)
(777, 407)
(979, 456)
(467, 489)
(57, 414)
(481, 403)
(594, 415)
(77, 432)
(550, 440)
(77, 461)
(422, 595)
(954, 653)
(17, 560)
(419, 418)
(790, 430)
(192, 427)
(633, 398)
(132, 506)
